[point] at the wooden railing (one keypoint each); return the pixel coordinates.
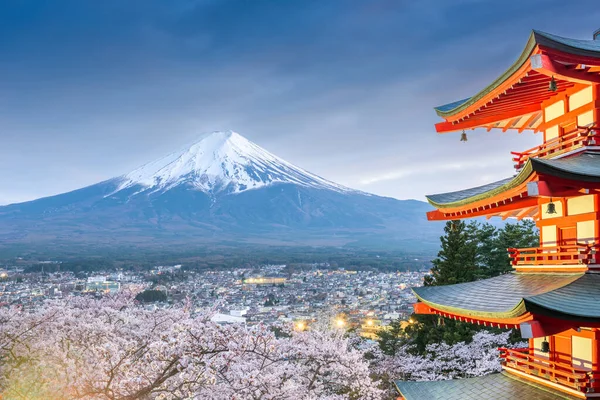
(555, 255)
(580, 137)
(558, 373)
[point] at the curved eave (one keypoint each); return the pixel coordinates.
(584, 49)
(557, 314)
(520, 179)
(521, 61)
(505, 298)
(559, 170)
(518, 311)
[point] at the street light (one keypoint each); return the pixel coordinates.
(300, 326)
(340, 323)
(370, 322)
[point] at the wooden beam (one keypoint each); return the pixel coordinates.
(545, 65)
(439, 215)
(509, 82)
(507, 105)
(510, 123)
(533, 117)
(570, 116)
(569, 58)
(446, 126)
(525, 212)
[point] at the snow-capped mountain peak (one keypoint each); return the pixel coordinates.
(222, 161)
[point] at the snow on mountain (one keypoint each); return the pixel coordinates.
(222, 162)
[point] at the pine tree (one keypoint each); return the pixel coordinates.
(457, 260)
(390, 340)
(492, 255)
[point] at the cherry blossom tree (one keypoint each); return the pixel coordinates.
(110, 348)
(442, 361)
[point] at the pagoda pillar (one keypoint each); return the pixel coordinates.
(596, 350)
(596, 102)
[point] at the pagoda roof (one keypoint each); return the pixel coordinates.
(583, 166)
(502, 297)
(462, 196)
(578, 299)
(569, 60)
(487, 387)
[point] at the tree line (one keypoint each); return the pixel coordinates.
(469, 251)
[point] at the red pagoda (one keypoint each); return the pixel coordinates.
(553, 294)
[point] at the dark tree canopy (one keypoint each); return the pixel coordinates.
(468, 252)
(457, 259)
(151, 296)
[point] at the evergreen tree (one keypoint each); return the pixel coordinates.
(457, 260)
(151, 295)
(468, 252)
(520, 235)
(390, 340)
(492, 255)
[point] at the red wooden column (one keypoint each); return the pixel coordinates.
(596, 102)
(596, 350)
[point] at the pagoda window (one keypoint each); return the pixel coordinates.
(585, 119)
(586, 232)
(552, 132)
(580, 205)
(581, 98)
(549, 236)
(555, 110)
(581, 352)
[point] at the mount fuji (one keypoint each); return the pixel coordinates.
(223, 189)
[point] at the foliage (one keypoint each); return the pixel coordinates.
(444, 361)
(468, 252)
(151, 295)
(475, 250)
(392, 339)
(456, 260)
(492, 256)
(431, 329)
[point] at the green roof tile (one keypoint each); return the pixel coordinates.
(495, 386)
(587, 48)
(583, 166)
(499, 297)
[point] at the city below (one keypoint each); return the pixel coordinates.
(363, 302)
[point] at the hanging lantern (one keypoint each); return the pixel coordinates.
(552, 87)
(551, 208)
(463, 136)
(545, 346)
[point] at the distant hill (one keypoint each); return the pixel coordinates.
(223, 189)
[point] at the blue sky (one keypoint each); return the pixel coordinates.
(90, 90)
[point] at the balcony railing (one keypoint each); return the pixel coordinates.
(559, 373)
(555, 255)
(582, 136)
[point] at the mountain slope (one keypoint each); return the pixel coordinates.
(222, 161)
(222, 188)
